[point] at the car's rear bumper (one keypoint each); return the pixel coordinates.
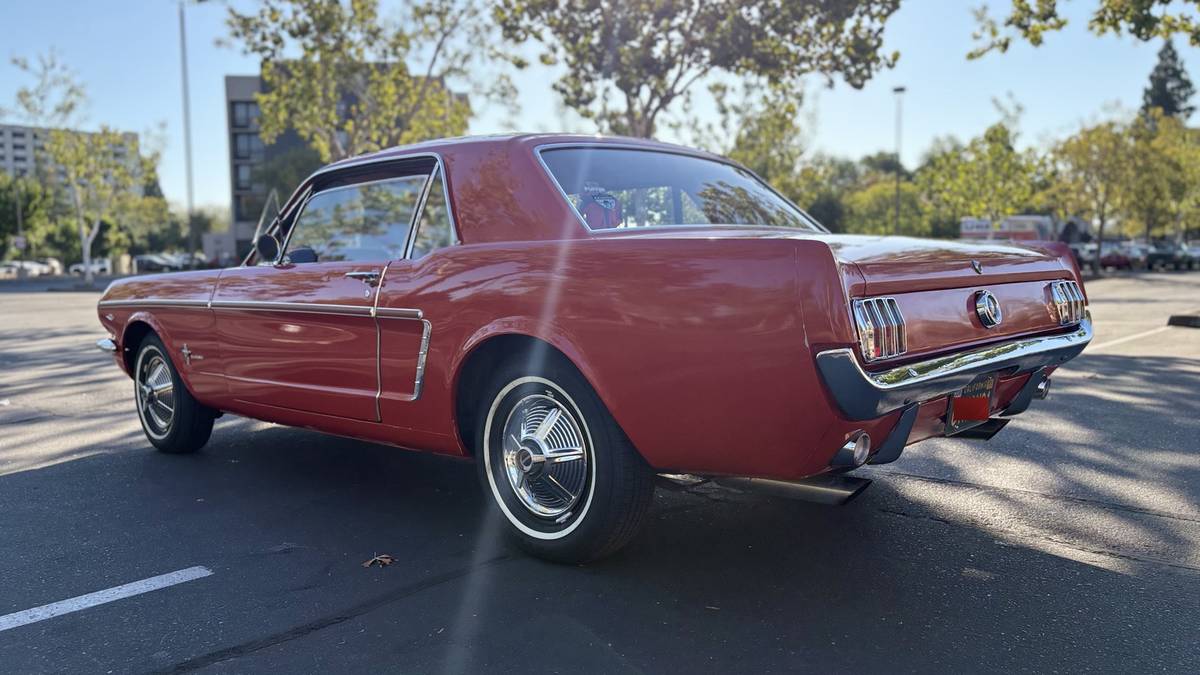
(863, 395)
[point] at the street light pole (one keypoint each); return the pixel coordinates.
(899, 92)
(187, 133)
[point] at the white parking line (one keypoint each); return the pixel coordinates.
(100, 597)
(1127, 338)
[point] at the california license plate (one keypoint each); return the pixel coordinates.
(971, 405)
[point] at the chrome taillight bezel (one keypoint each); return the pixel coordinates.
(1070, 305)
(881, 329)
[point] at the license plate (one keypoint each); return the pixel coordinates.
(972, 405)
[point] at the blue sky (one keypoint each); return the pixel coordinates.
(127, 53)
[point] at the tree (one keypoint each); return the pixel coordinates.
(1170, 87)
(871, 209)
(103, 175)
(1092, 166)
(628, 61)
(1155, 183)
(35, 207)
(1031, 20)
(986, 178)
(351, 90)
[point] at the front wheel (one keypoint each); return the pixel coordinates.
(566, 480)
(172, 419)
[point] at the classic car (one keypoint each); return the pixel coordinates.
(585, 316)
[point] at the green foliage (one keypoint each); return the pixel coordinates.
(103, 176)
(1091, 170)
(1031, 20)
(628, 61)
(36, 204)
(349, 81)
(282, 172)
(871, 209)
(988, 177)
(1170, 88)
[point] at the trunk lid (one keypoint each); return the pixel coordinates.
(902, 264)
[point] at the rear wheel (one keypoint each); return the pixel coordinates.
(171, 418)
(566, 480)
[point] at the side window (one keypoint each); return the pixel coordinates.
(368, 222)
(434, 230)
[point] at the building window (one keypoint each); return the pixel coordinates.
(18, 134)
(248, 207)
(247, 146)
(18, 158)
(245, 114)
(241, 176)
(18, 146)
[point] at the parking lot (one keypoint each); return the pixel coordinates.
(1071, 541)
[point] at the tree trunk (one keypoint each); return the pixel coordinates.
(1099, 248)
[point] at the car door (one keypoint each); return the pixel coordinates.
(405, 323)
(300, 333)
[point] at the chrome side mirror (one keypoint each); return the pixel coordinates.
(267, 248)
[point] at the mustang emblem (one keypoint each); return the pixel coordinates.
(977, 267)
(988, 309)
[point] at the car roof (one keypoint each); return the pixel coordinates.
(531, 141)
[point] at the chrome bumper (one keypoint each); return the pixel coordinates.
(863, 396)
(106, 345)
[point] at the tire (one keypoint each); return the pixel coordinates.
(171, 418)
(564, 510)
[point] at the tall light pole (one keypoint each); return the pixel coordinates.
(187, 133)
(899, 93)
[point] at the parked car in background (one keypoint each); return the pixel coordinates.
(1115, 256)
(1193, 251)
(99, 266)
(1137, 254)
(32, 268)
(55, 265)
(578, 314)
(1168, 255)
(154, 262)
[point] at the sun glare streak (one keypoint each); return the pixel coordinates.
(465, 626)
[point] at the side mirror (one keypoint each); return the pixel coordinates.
(267, 248)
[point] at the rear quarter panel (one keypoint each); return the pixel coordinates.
(696, 346)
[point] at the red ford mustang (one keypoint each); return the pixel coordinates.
(579, 314)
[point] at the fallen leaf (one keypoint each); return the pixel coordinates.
(381, 559)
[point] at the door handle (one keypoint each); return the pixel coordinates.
(368, 278)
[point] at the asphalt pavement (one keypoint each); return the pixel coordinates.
(1069, 542)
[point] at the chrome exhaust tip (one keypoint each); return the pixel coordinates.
(1043, 389)
(854, 453)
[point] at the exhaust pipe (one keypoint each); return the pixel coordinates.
(832, 489)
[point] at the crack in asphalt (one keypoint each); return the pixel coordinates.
(353, 612)
(1045, 495)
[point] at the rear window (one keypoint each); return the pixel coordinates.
(622, 188)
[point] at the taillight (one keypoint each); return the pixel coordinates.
(880, 328)
(1069, 303)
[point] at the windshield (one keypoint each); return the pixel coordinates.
(622, 188)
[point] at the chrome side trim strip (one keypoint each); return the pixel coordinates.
(106, 345)
(399, 313)
(148, 302)
(294, 307)
(862, 395)
(426, 331)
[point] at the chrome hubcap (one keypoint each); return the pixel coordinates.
(545, 459)
(156, 394)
